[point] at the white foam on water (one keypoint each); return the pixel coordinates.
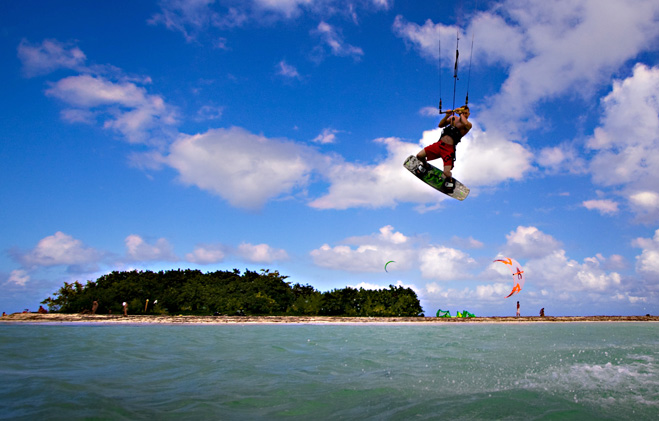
(608, 384)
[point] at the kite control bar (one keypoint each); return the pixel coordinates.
(456, 111)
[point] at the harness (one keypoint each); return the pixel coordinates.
(453, 133)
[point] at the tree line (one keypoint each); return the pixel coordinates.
(226, 293)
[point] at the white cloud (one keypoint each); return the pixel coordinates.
(326, 136)
(49, 56)
(121, 104)
(556, 37)
(548, 266)
(482, 160)
(210, 112)
(647, 263)
(370, 253)
(445, 264)
(447, 297)
(551, 49)
(286, 8)
(127, 107)
(261, 253)
(529, 242)
(383, 4)
(561, 159)
(491, 30)
(468, 243)
(605, 206)
(59, 249)
(428, 112)
(206, 254)
(332, 38)
(245, 169)
(286, 70)
(627, 141)
(196, 17)
(556, 271)
(138, 249)
(18, 277)
(374, 186)
(187, 16)
(487, 159)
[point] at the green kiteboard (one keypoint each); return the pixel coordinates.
(435, 178)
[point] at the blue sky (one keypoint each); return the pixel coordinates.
(271, 134)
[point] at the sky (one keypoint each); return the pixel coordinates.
(270, 134)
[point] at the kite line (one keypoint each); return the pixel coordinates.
(455, 67)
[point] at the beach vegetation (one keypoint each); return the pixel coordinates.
(231, 293)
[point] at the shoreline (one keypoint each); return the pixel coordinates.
(54, 318)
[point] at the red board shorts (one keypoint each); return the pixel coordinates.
(441, 150)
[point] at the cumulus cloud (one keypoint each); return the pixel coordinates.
(647, 263)
(255, 253)
(626, 144)
(482, 160)
(487, 159)
(137, 249)
(543, 41)
(261, 253)
(379, 185)
(447, 297)
(100, 92)
(529, 242)
(550, 267)
(561, 159)
(58, 249)
(556, 271)
(555, 39)
(604, 206)
(367, 253)
(425, 39)
(326, 136)
(205, 254)
(445, 263)
(127, 108)
(50, 55)
(245, 169)
(370, 253)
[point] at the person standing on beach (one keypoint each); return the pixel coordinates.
(94, 306)
(125, 304)
(517, 315)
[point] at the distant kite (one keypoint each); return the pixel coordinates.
(517, 272)
(385, 265)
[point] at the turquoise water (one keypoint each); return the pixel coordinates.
(465, 372)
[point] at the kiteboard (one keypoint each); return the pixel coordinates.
(435, 178)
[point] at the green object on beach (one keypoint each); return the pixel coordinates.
(447, 313)
(443, 313)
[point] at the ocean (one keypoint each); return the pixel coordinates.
(533, 371)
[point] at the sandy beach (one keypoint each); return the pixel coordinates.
(148, 319)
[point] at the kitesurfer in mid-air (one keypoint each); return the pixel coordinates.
(455, 127)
